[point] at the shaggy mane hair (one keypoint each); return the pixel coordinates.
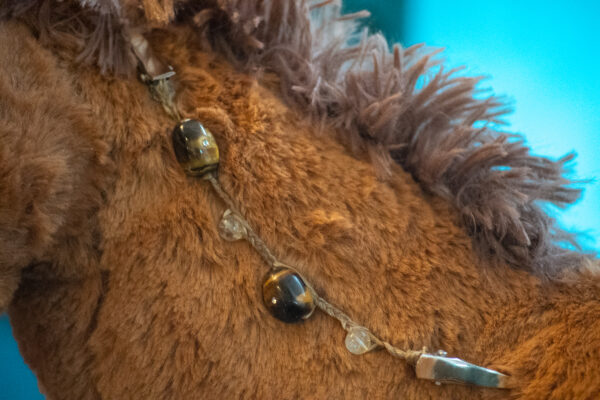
(397, 105)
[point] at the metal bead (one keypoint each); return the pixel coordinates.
(286, 296)
(231, 228)
(195, 148)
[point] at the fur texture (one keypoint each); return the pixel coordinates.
(157, 306)
(52, 165)
(439, 130)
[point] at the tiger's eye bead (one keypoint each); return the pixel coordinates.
(286, 296)
(195, 148)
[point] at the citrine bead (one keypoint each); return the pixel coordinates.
(195, 148)
(358, 340)
(231, 227)
(286, 295)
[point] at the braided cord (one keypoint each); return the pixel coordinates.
(163, 92)
(347, 323)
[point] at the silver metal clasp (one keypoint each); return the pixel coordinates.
(163, 76)
(442, 369)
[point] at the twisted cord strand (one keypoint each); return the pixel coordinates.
(347, 323)
(250, 235)
(163, 92)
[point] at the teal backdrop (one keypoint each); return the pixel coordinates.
(543, 55)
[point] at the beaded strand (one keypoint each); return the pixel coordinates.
(286, 293)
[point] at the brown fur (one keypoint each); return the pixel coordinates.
(52, 164)
(367, 97)
(163, 308)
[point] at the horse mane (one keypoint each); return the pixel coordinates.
(395, 105)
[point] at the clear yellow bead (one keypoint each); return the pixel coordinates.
(231, 227)
(358, 340)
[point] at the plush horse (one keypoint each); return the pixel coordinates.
(385, 181)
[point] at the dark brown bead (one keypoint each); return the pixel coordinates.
(286, 296)
(195, 148)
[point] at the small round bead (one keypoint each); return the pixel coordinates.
(195, 148)
(286, 296)
(358, 340)
(231, 228)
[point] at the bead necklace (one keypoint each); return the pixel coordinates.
(287, 295)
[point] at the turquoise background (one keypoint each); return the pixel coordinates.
(544, 55)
